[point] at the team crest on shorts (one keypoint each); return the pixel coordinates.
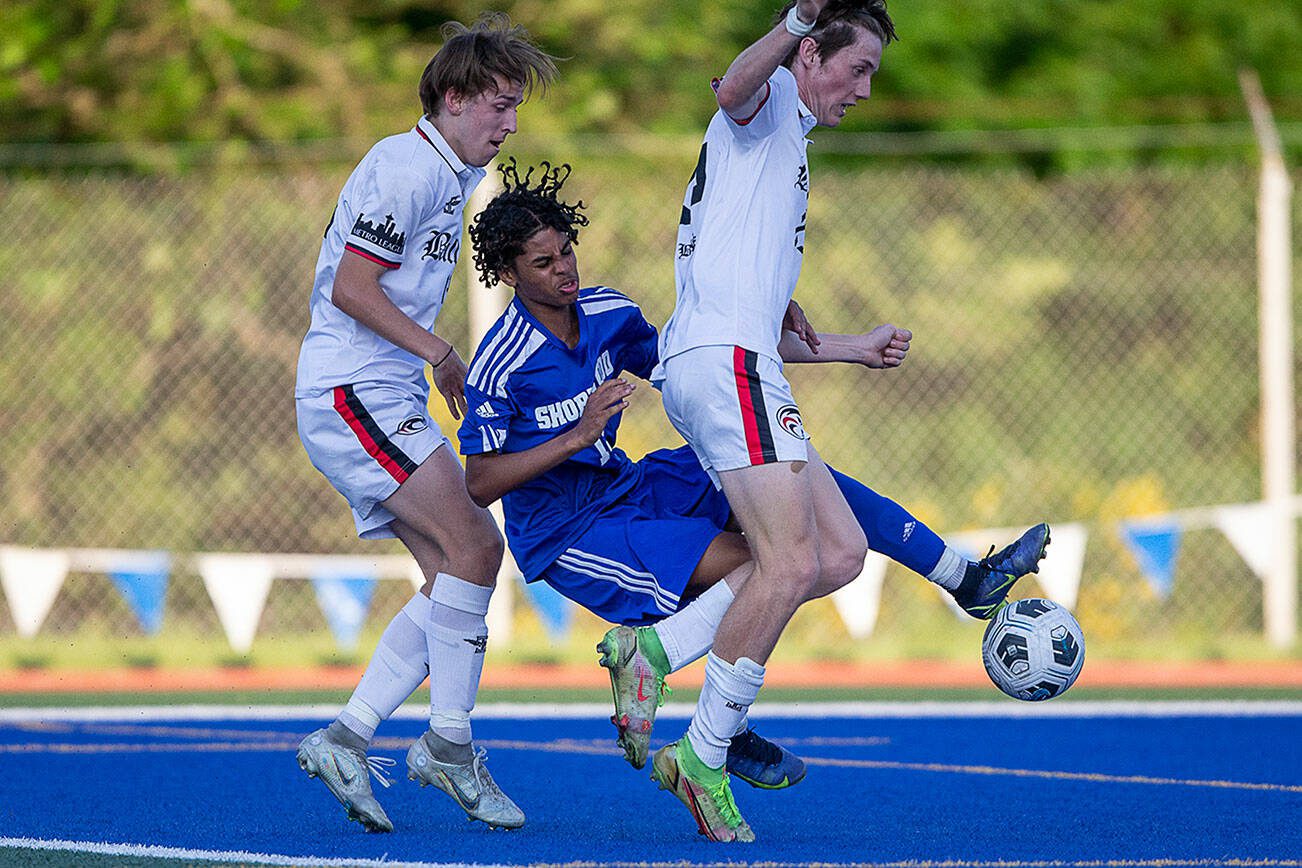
(788, 416)
(412, 425)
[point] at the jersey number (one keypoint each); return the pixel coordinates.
(697, 189)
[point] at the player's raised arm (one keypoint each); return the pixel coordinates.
(743, 86)
(883, 347)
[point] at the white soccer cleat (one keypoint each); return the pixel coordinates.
(469, 784)
(346, 772)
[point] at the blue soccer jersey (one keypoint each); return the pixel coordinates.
(525, 387)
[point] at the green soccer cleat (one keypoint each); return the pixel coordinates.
(637, 681)
(468, 783)
(705, 792)
(346, 773)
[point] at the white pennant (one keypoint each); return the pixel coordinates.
(1248, 528)
(238, 586)
(31, 579)
(859, 601)
(1060, 571)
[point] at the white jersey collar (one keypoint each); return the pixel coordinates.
(469, 176)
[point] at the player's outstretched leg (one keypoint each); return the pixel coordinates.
(761, 763)
(705, 792)
(986, 583)
(638, 666)
(345, 769)
(459, 771)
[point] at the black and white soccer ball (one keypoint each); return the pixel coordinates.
(1033, 649)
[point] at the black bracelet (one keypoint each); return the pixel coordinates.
(444, 359)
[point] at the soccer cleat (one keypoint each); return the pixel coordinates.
(761, 763)
(469, 784)
(676, 768)
(986, 584)
(346, 773)
(638, 687)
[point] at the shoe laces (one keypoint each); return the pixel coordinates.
(377, 766)
(482, 777)
(721, 795)
(751, 744)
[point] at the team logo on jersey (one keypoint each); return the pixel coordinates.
(385, 235)
(485, 411)
(789, 418)
(451, 207)
(412, 425)
(442, 246)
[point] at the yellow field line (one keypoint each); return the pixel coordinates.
(595, 747)
(1093, 777)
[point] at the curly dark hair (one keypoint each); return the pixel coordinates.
(524, 207)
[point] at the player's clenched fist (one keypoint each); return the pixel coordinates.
(611, 397)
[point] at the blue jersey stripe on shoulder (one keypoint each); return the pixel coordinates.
(499, 352)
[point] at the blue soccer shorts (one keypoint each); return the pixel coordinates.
(632, 565)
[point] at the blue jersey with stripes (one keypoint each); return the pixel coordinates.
(525, 387)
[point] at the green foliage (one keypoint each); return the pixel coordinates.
(274, 70)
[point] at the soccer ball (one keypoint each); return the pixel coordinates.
(1033, 649)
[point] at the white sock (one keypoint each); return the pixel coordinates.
(726, 697)
(395, 670)
(688, 633)
(457, 636)
(949, 570)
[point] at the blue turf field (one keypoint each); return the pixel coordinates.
(1216, 784)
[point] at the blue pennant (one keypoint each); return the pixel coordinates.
(1155, 547)
(345, 600)
(555, 611)
(143, 584)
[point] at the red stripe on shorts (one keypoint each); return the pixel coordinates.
(748, 419)
(398, 465)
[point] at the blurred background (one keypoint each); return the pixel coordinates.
(1063, 200)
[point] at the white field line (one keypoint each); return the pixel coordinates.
(247, 858)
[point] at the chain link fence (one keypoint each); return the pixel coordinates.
(1085, 351)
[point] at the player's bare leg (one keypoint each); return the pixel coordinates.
(435, 511)
(803, 537)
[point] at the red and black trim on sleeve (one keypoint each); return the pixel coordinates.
(741, 122)
(366, 254)
(754, 414)
(376, 443)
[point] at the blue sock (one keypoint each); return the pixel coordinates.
(890, 529)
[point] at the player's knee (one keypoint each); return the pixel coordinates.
(842, 560)
(795, 574)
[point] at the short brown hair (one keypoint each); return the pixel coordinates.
(833, 29)
(473, 57)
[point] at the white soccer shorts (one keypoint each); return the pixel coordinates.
(734, 408)
(367, 438)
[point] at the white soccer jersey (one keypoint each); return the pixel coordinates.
(401, 207)
(742, 233)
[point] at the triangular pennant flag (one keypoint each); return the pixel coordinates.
(1060, 571)
(1155, 546)
(142, 581)
(1248, 528)
(554, 610)
(31, 579)
(859, 601)
(238, 586)
(345, 601)
(416, 576)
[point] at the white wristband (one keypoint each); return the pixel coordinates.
(796, 27)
